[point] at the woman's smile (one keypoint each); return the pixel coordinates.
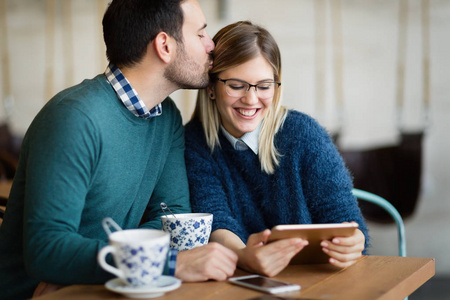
(246, 112)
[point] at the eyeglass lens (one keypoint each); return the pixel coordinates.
(236, 88)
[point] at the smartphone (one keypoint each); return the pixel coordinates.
(264, 284)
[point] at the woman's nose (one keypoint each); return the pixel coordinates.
(251, 97)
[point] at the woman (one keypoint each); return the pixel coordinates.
(254, 164)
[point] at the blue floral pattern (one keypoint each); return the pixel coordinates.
(188, 231)
(141, 268)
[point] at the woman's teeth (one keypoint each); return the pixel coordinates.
(247, 112)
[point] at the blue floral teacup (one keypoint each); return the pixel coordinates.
(187, 231)
(139, 254)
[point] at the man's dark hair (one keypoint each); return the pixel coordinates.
(130, 25)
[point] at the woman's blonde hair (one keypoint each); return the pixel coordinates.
(236, 44)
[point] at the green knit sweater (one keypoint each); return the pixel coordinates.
(86, 157)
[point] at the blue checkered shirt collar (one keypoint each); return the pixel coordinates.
(128, 94)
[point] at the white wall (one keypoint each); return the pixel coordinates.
(303, 29)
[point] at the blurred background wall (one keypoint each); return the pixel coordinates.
(345, 62)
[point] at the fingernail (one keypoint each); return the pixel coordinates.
(301, 242)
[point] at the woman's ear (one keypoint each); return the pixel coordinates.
(164, 46)
(211, 93)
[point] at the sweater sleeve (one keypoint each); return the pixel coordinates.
(61, 155)
(326, 181)
(207, 184)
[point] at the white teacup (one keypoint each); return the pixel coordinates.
(188, 231)
(139, 254)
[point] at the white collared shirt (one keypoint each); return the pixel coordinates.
(248, 140)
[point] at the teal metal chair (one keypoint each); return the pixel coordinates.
(383, 203)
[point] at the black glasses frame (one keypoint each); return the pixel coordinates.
(278, 84)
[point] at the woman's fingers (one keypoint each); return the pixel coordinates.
(344, 251)
(272, 258)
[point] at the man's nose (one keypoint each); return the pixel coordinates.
(209, 45)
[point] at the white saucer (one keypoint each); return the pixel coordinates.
(163, 284)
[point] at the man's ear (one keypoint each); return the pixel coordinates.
(164, 46)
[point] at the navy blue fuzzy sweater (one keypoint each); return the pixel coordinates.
(311, 184)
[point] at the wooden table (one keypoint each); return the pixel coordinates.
(373, 277)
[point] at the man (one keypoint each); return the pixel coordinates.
(112, 146)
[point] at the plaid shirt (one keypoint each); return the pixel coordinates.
(128, 94)
(172, 257)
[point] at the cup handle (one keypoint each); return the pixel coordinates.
(101, 258)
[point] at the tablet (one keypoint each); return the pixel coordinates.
(314, 233)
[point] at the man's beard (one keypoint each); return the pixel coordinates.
(185, 72)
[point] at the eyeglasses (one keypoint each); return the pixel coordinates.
(239, 88)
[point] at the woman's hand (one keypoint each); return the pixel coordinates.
(344, 251)
(268, 259)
